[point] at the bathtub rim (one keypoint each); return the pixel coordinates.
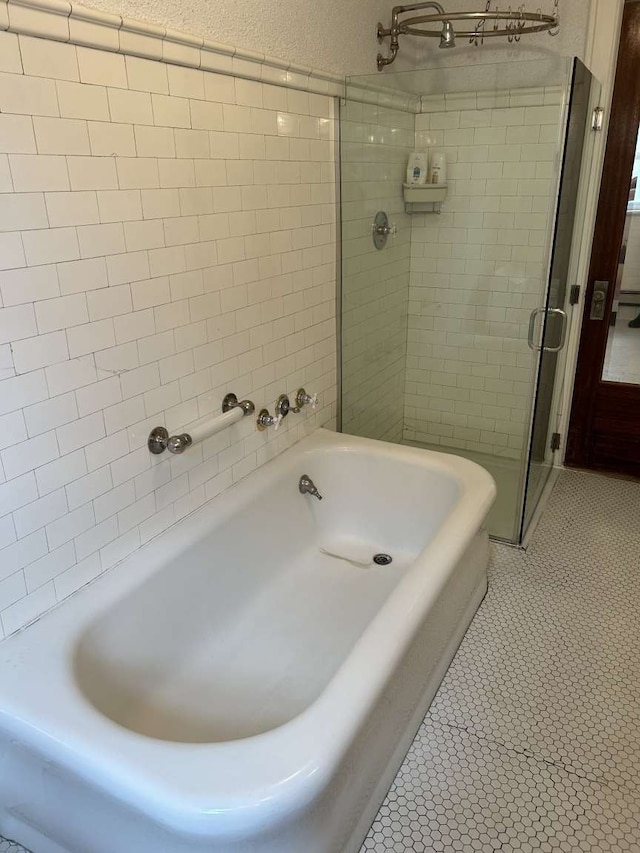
(291, 763)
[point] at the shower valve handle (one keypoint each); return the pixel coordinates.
(265, 420)
(304, 399)
(283, 407)
(385, 230)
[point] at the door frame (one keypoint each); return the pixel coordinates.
(601, 52)
(594, 401)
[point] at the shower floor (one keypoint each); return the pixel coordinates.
(503, 522)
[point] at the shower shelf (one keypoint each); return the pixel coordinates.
(424, 198)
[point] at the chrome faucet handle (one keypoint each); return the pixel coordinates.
(265, 420)
(303, 399)
(384, 229)
(283, 407)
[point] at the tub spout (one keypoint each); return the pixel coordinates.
(307, 487)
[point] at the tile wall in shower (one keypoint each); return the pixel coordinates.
(166, 236)
(479, 269)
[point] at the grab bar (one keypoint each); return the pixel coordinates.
(232, 411)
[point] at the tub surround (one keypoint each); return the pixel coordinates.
(167, 234)
(131, 737)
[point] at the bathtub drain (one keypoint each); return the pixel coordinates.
(382, 559)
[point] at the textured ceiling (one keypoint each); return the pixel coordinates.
(339, 35)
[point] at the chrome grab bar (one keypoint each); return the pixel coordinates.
(532, 325)
(233, 410)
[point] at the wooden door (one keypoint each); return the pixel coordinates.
(604, 430)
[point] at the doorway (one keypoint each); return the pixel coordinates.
(604, 430)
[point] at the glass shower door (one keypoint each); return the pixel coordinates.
(434, 323)
(375, 141)
(549, 325)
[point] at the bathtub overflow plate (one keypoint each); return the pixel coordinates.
(382, 559)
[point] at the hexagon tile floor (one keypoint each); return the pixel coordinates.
(533, 741)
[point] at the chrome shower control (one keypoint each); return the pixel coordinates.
(283, 406)
(381, 229)
(265, 420)
(304, 399)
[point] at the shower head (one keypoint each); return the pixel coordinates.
(479, 25)
(448, 35)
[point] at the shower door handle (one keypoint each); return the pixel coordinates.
(532, 324)
(563, 331)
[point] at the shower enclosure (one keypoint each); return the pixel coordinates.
(453, 332)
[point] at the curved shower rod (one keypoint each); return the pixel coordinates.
(509, 24)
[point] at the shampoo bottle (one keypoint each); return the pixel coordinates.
(438, 173)
(417, 168)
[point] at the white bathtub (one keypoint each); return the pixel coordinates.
(230, 688)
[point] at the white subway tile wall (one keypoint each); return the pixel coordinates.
(166, 235)
(479, 269)
(375, 142)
